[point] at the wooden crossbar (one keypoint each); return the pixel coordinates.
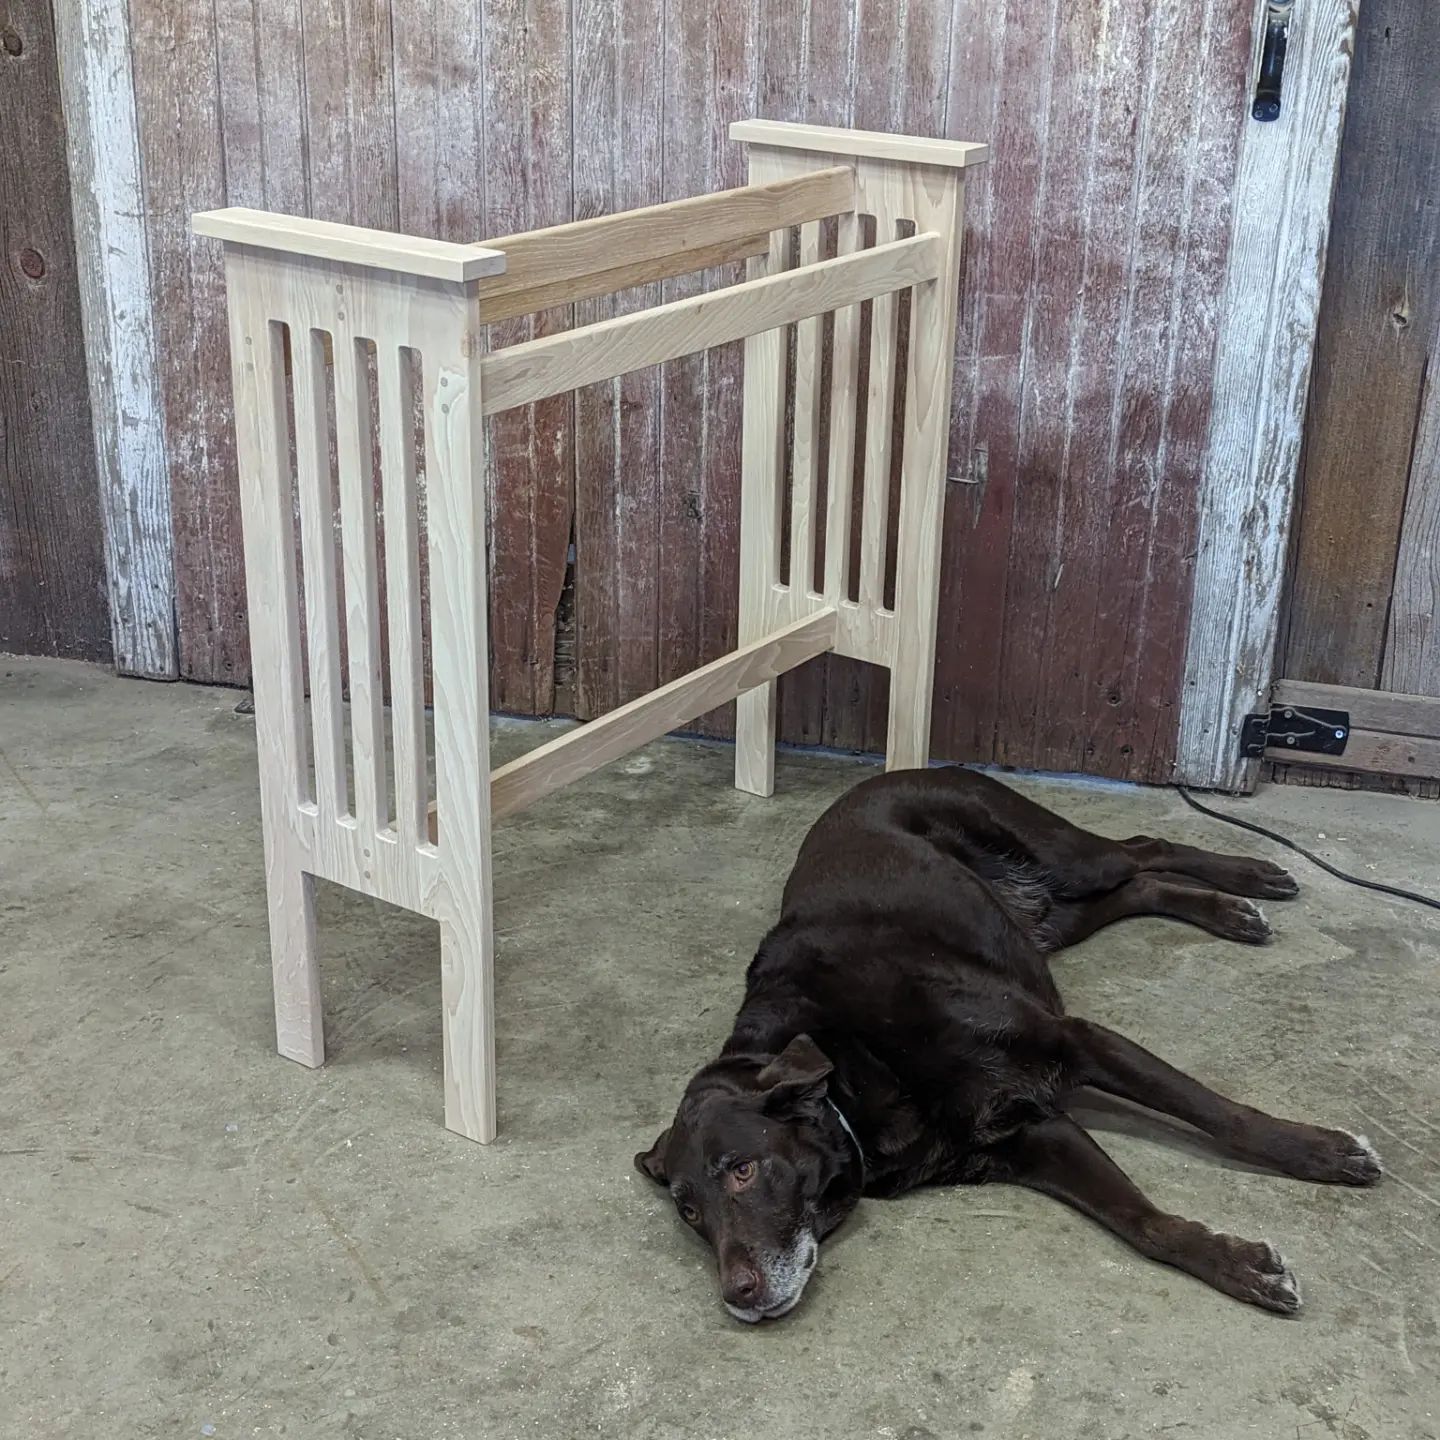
(574, 755)
(556, 363)
(614, 252)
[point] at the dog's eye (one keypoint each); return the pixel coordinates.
(689, 1214)
(744, 1172)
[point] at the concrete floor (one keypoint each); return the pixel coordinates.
(198, 1238)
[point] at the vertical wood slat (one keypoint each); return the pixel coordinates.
(805, 467)
(395, 378)
(879, 435)
(844, 382)
(761, 472)
(354, 460)
(317, 539)
(257, 370)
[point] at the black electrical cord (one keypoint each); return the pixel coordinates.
(1314, 859)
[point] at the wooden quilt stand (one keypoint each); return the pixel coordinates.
(301, 290)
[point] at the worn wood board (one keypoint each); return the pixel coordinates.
(52, 578)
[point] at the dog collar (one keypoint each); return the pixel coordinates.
(845, 1126)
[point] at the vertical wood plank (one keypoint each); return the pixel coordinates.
(617, 152)
(178, 111)
(1412, 647)
(527, 160)
(1262, 369)
(52, 580)
(1378, 319)
(116, 304)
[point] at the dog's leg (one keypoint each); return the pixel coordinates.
(1237, 874)
(1177, 896)
(1110, 1062)
(1058, 1158)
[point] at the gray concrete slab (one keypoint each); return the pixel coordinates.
(198, 1238)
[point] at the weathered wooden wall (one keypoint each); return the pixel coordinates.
(52, 578)
(1096, 253)
(1366, 569)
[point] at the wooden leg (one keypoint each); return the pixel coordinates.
(294, 963)
(907, 745)
(467, 971)
(755, 740)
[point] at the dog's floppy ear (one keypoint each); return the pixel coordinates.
(796, 1075)
(651, 1162)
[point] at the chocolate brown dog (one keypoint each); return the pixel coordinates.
(901, 1027)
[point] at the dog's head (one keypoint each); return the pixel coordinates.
(759, 1164)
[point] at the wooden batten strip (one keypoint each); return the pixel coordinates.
(557, 363)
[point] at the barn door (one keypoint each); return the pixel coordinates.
(1360, 637)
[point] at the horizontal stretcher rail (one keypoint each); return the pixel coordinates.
(863, 144)
(350, 244)
(574, 755)
(549, 366)
(614, 252)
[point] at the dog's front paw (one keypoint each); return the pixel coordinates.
(1263, 881)
(1242, 920)
(1255, 1271)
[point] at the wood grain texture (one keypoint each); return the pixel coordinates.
(1368, 709)
(183, 165)
(1412, 643)
(350, 244)
(555, 364)
(1374, 751)
(527, 137)
(1089, 309)
(616, 166)
(1262, 369)
(52, 579)
(1378, 321)
(670, 706)
(117, 306)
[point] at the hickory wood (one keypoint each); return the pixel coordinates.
(538, 368)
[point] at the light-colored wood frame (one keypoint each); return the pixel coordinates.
(334, 298)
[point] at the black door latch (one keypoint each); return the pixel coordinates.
(1288, 727)
(1272, 60)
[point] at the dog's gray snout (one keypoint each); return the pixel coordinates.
(741, 1285)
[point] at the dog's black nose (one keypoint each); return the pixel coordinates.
(742, 1285)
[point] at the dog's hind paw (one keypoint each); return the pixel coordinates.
(1359, 1162)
